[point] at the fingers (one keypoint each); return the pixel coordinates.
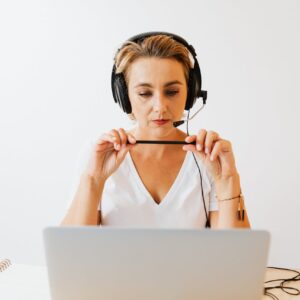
(127, 141)
(105, 138)
(131, 138)
(126, 137)
(190, 139)
(216, 150)
(221, 146)
(205, 141)
(211, 138)
(201, 139)
(118, 138)
(123, 138)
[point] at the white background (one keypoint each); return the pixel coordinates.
(55, 66)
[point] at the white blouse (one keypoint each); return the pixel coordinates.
(127, 203)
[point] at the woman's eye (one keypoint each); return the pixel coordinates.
(144, 94)
(172, 93)
(148, 94)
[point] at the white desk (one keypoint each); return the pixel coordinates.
(23, 282)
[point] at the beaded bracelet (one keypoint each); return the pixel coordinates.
(241, 207)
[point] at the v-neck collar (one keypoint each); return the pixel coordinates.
(171, 191)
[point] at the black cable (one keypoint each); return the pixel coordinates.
(207, 225)
(282, 283)
(271, 295)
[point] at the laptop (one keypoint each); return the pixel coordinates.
(159, 264)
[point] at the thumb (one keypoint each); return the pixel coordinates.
(122, 153)
(201, 155)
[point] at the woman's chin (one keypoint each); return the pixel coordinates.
(162, 132)
(157, 132)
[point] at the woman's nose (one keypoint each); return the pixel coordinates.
(160, 103)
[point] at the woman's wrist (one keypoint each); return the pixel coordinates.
(230, 201)
(97, 183)
(228, 187)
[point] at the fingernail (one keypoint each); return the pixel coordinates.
(206, 150)
(198, 147)
(118, 147)
(211, 158)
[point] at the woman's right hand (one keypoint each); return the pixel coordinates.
(107, 154)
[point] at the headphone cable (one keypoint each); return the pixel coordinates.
(207, 225)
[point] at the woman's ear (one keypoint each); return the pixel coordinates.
(184, 115)
(131, 116)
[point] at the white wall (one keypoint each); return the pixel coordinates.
(55, 67)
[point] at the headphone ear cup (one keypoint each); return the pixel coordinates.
(120, 92)
(191, 93)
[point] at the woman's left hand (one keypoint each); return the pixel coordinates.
(215, 152)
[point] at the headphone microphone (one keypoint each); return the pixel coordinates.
(180, 122)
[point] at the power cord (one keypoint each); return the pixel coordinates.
(281, 285)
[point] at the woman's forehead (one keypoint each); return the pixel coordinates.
(147, 69)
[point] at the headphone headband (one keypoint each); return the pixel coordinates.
(140, 37)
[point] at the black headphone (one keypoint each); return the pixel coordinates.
(119, 87)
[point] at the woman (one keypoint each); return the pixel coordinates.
(126, 183)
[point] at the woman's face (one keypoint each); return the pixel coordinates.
(157, 90)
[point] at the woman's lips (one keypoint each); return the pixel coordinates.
(160, 122)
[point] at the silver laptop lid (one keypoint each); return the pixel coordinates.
(161, 264)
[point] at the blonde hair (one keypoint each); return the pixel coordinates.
(161, 46)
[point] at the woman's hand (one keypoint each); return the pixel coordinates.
(107, 154)
(215, 152)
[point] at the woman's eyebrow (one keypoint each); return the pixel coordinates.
(173, 82)
(166, 84)
(143, 84)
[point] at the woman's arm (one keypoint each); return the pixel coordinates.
(84, 208)
(214, 220)
(217, 155)
(227, 215)
(106, 155)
